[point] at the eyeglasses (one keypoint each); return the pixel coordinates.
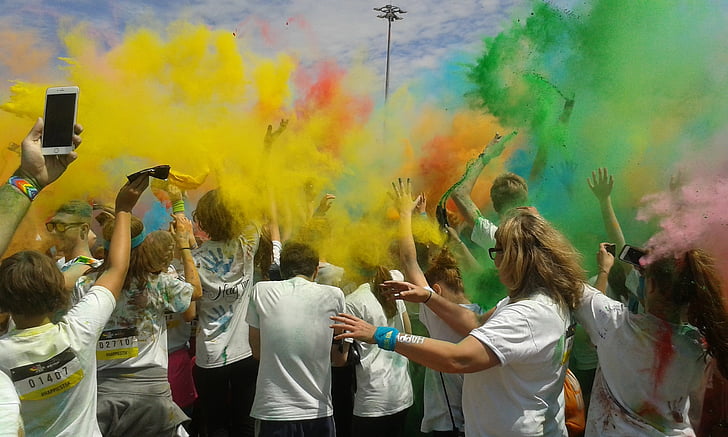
(492, 251)
(60, 227)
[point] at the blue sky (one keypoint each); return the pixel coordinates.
(312, 29)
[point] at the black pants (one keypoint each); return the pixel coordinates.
(226, 396)
(383, 426)
(322, 427)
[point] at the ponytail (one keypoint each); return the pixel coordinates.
(388, 305)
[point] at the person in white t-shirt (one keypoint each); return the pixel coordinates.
(290, 334)
(11, 424)
(651, 364)
(515, 363)
(383, 386)
(225, 370)
(133, 388)
(53, 365)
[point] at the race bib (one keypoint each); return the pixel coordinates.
(117, 344)
(39, 381)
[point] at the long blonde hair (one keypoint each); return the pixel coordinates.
(537, 256)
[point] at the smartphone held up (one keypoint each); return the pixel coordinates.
(632, 255)
(61, 107)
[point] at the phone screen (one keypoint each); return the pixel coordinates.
(631, 255)
(59, 117)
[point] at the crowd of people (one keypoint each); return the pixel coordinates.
(219, 326)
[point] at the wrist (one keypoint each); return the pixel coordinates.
(178, 206)
(386, 338)
(428, 297)
(24, 185)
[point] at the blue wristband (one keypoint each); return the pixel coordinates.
(386, 338)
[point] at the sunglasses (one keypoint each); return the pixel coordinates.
(60, 227)
(492, 251)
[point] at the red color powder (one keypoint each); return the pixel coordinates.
(664, 351)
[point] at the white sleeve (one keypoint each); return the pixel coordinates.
(509, 333)
(177, 293)
(483, 233)
(252, 317)
(10, 420)
(88, 317)
(599, 314)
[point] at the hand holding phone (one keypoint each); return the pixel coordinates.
(611, 248)
(60, 117)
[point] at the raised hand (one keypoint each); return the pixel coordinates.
(605, 260)
(421, 204)
(130, 193)
(44, 169)
(271, 135)
(402, 196)
(324, 204)
(601, 184)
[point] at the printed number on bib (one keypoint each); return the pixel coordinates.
(40, 381)
(117, 344)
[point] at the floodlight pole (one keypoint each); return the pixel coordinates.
(389, 13)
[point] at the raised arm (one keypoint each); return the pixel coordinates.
(461, 193)
(459, 318)
(605, 261)
(36, 171)
(181, 229)
(601, 184)
(407, 252)
(117, 260)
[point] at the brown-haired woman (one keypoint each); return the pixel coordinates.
(514, 363)
(651, 363)
(225, 370)
(134, 396)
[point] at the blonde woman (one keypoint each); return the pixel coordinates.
(515, 362)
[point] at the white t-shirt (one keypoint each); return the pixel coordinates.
(136, 334)
(53, 368)
(483, 233)
(294, 379)
(438, 406)
(226, 272)
(647, 370)
(383, 385)
(524, 395)
(10, 421)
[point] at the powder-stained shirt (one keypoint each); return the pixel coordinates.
(226, 271)
(53, 368)
(136, 334)
(647, 370)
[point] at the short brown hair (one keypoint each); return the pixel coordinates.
(298, 259)
(508, 191)
(31, 285)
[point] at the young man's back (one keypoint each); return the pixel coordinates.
(294, 380)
